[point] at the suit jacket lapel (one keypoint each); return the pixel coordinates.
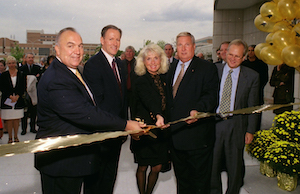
(110, 73)
(242, 82)
(75, 78)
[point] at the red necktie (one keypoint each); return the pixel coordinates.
(116, 75)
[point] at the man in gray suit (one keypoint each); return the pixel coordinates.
(239, 88)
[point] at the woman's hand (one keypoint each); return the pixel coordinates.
(14, 98)
(160, 122)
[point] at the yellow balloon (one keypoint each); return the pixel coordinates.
(270, 10)
(291, 55)
(283, 39)
(263, 24)
(288, 8)
(269, 38)
(258, 49)
(282, 25)
(271, 55)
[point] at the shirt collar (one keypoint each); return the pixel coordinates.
(108, 57)
(186, 63)
(234, 71)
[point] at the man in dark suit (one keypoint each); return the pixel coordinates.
(67, 107)
(30, 69)
(169, 52)
(223, 51)
(262, 69)
(109, 88)
(192, 143)
(239, 88)
(131, 76)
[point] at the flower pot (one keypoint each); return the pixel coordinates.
(286, 181)
(267, 170)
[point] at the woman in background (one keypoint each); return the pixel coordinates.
(149, 91)
(2, 69)
(12, 86)
(283, 80)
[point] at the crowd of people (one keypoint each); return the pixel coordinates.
(110, 93)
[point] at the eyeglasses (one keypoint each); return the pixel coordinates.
(234, 56)
(250, 50)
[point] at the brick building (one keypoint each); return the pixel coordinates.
(39, 43)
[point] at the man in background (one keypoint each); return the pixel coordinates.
(30, 96)
(169, 52)
(131, 76)
(262, 69)
(223, 51)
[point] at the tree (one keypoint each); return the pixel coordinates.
(148, 42)
(161, 43)
(86, 58)
(17, 52)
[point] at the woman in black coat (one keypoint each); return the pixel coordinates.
(149, 91)
(12, 86)
(283, 80)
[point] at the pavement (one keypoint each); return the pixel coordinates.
(18, 175)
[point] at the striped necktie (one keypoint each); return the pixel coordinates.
(226, 94)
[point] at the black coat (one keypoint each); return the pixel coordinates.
(7, 89)
(148, 98)
(198, 90)
(66, 108)
(35, 70)
(102, 81)
(149, 104)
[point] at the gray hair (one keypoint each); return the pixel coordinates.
(28, 54)
(239, 42)
(182, 34)
(61, 32)
(130, 48)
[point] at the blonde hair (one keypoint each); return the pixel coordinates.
(11, 58)
(140, 68)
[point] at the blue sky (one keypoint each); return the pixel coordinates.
(140, 20)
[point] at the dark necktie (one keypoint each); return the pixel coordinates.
(114, 68)
(226, 94)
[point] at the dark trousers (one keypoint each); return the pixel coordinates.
(31, 113)
(110, 154)
(192, 170)
(226, 151)
(69, 185)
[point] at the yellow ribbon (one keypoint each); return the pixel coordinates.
(47, 144)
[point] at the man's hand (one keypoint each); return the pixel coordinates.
(248, 138)
(136, 127)
(192, 114)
